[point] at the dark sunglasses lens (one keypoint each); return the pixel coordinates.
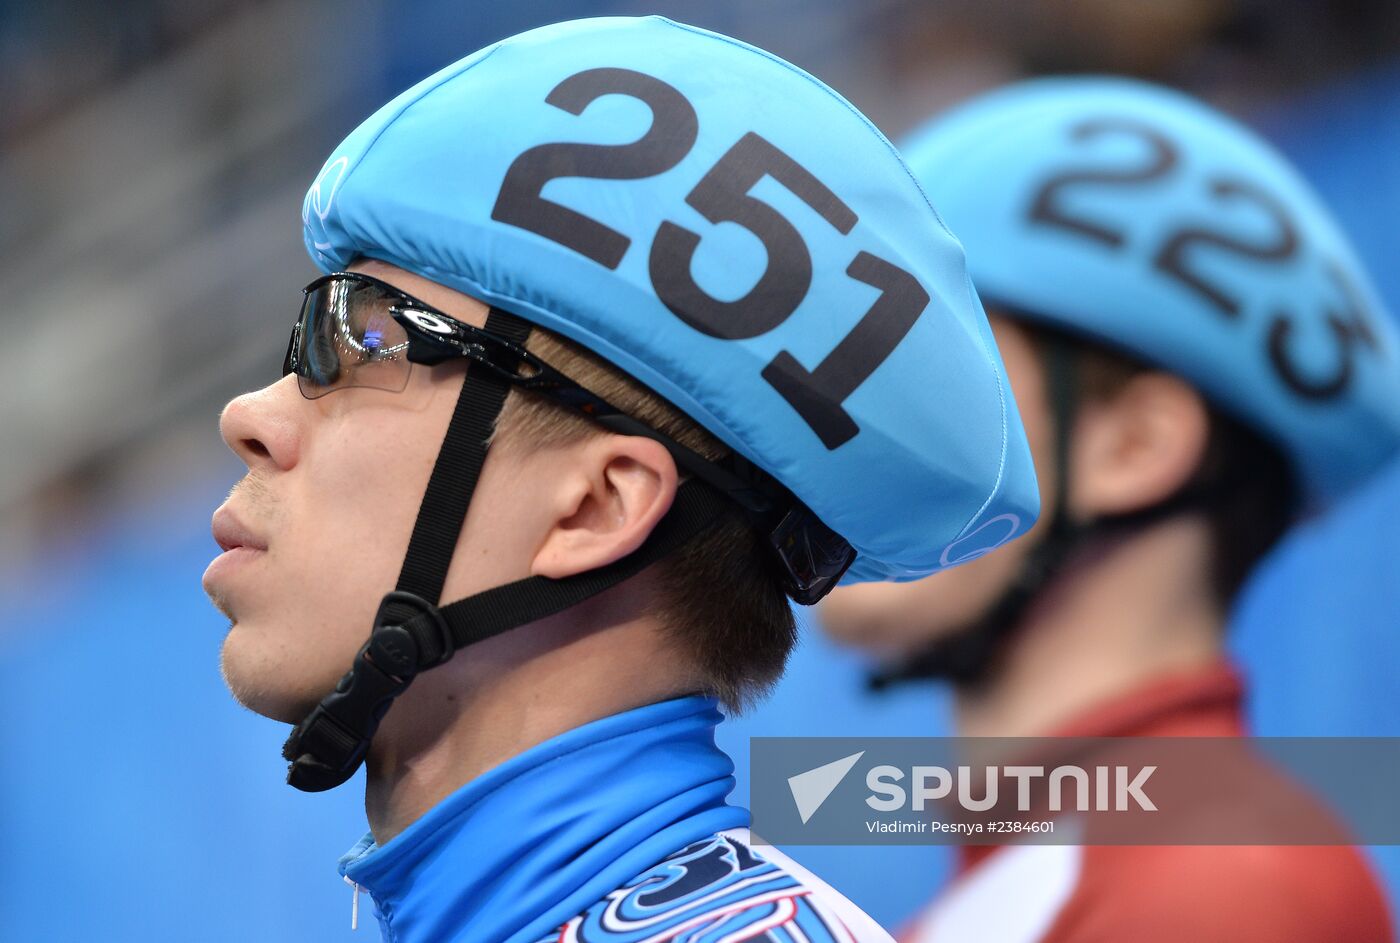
(347, 337)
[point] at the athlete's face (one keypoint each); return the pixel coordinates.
(891, 619)
(319, 524)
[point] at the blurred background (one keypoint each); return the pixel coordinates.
(153, 156)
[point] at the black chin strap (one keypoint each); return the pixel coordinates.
(411, 633)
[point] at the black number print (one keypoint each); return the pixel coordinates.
(1047, 207)
(722, 195)
(1172, 260)
(817, 394)
(672, 134)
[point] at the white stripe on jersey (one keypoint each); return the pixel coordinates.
(848, 922)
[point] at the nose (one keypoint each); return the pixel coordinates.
(260, 429)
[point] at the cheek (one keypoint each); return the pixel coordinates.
(344, 516)
(896, 618)
(506, 524)
(877, 616)
(353, 509)
(1027, 376)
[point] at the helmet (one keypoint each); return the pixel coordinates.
(1143, 219)
(1136, 217)
(719, 225)
(729, 231)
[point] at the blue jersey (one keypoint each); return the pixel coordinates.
(616, 831)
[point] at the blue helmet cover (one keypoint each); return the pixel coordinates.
(1139, 217)
(728, 230)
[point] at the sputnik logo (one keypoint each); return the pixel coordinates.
(814, 787)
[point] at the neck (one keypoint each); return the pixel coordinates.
(499, 698)
(1114, 620)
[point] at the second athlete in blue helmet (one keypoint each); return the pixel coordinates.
(1200, 359)
(628, 335)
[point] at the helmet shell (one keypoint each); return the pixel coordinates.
(734, 234)
(1141, 218)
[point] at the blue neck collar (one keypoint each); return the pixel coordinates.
(514, 854)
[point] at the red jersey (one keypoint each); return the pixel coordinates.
(1160, 894)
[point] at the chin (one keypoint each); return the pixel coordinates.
(266, 683)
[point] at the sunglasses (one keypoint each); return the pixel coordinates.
(355, 330)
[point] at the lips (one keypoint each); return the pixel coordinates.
(230, 533)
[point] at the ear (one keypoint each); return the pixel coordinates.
(1137, 447)
(617, 489)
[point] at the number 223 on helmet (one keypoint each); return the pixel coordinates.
(731, 232)
(1143, 219)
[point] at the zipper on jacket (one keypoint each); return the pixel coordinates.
(354, 904)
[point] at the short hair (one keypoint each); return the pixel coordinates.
(718, 596)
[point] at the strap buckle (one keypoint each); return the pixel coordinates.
(326, 748)
(410, 635)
